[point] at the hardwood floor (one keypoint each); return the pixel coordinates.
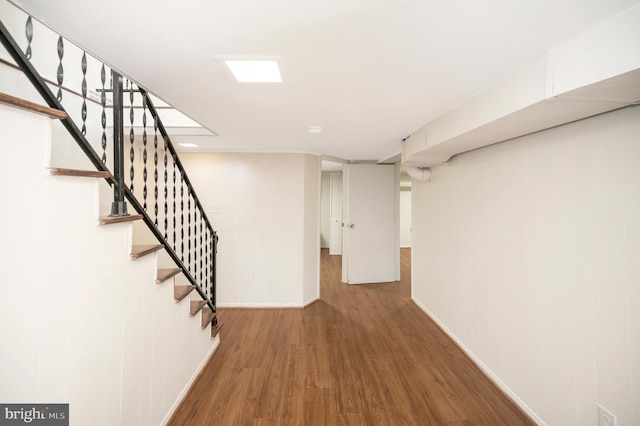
(362, 355)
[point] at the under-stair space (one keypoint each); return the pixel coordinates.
(106, 331)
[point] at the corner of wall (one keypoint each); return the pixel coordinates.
(311, 239)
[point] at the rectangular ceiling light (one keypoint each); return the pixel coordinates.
(255, 71)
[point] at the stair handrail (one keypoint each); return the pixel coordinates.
(116, 180)
(47, 95)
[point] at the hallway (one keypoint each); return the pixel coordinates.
(362, 355)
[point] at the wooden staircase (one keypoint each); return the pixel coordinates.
(22, 104)
(180, 292)
(141, 250)
(115, 330)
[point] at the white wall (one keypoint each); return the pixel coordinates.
(527, 253)
(262, 202)
(311, 240)
(405, 217)
(81, 323)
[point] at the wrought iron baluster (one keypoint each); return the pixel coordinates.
(132, 134)
(28, 31)
(201, 222)
(194, 267)
(189, 228)
(166, 193)
(181, 217)
(144, 152)
(174, 202)
(212, 283)
(83, 65)
(155, 168)
(60, 73)
(103, 117)
(206, 262)
(195, 240)
(119, 205)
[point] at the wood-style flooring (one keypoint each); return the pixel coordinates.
(362, 355)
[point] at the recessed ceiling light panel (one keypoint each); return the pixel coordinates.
(188, 145)
(255, 70)
(315, 129)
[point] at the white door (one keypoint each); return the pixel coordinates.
(335, 214)
(371, 252)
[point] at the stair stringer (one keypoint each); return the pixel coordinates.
(81, 322)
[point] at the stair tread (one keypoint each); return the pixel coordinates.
(207, 316)
(196, 306)
(57, 171)
(110, 220)
(164, 274)
(32, 107)
(215, 330)
(138, 251)
(181, 291)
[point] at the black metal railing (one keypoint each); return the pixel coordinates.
(152, 179)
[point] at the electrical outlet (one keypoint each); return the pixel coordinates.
(606, 417)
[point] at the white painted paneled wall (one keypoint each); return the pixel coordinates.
(311, 230)
(268, 220)
(528, 253)
(81, 323)
(405, 217)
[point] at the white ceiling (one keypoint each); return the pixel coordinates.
(369, 72)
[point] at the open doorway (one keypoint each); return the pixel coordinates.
(332, 221)
(331, 208)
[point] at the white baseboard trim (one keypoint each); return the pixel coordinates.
(310, 301)
(481, 365)
(193, 378)
(260, 305)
